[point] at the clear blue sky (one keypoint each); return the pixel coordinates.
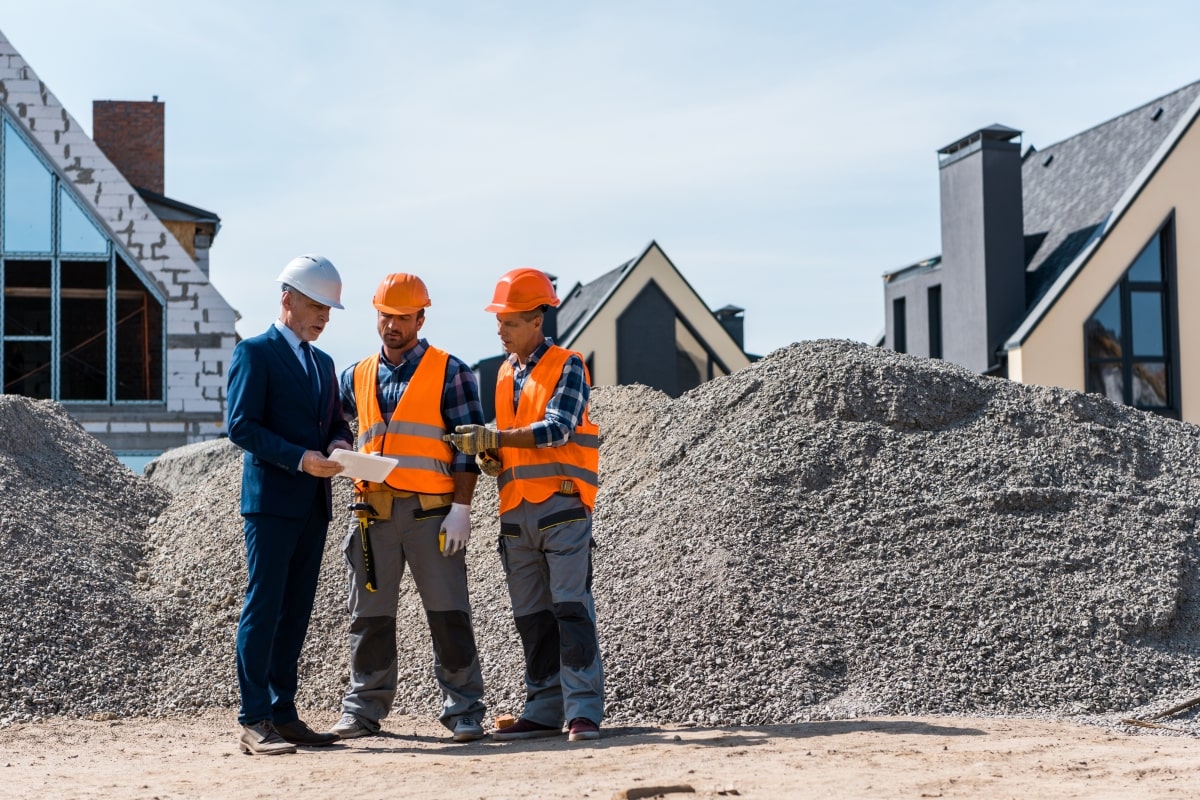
(782, 153)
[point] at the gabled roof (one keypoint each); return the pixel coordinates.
(1070, 188)
(585, 299)
(1075, 191)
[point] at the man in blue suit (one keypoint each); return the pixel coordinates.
(286, 413)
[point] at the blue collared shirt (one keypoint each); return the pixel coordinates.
(460, 397)
(567, 404)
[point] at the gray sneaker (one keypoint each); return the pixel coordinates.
(261, 739)
(467, 729)
(352, 726)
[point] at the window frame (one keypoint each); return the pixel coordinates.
(114, 254)
(1125, 288)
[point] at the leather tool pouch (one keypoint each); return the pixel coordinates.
(380, 501)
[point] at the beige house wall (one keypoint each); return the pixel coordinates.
(599, 337)
(1053, 353)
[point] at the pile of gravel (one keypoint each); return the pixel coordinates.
(836, 530)
(75, 637)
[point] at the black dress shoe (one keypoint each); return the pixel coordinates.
(298, 732)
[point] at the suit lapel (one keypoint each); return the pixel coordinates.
(292, 364)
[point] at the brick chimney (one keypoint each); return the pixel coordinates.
(130, 133)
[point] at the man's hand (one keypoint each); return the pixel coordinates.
(316, 464)
(474, 439)
(457, 528)
(489, 463)
(338, 444)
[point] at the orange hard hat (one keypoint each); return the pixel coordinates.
(401, 293)
(522, 289)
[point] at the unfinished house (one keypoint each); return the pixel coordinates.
(106, 306)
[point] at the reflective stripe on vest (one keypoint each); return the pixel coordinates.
(413, 437)
(536, 473)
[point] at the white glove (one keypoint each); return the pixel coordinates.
(457, 528)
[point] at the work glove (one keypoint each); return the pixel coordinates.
(456, 529)
(489, 463)
(474, 439)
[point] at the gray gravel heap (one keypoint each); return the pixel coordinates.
(75, 638)
(836, 530)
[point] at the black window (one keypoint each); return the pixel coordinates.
(899, 326)
(1129, 340)
(935, 321)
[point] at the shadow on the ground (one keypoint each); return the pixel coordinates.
(629, 736)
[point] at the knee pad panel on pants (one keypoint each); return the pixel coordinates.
(539, 637)
(373, 642)
(578, 634)
(453, 638)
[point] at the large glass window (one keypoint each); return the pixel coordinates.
(76, 321)
(1129, 340)
(899, 326)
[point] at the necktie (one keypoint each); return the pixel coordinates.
(314, 379)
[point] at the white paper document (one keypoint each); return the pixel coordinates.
(363, 466)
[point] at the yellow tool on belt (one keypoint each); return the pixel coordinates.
(364, 512)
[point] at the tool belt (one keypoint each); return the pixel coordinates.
(568, 487)
(380, 498)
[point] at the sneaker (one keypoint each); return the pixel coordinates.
(583, 730)
(525, 729)
(352, 726)
(261, 739)
(468, 729)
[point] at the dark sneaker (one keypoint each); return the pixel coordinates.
(297, 732)
(468, 729)
(261, 739)
(583, 730)
(352, 726)
(525, 729)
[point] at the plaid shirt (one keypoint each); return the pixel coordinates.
(460, 398)
(566, 406)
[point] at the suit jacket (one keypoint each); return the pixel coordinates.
(273, 417)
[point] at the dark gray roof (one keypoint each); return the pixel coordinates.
(578, 305)
(1069, 188)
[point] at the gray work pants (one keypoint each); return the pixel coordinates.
(410, 537)
(546, 552)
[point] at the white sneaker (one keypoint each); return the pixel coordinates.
(467, 729)
(351, 726)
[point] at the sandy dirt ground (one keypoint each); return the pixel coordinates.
(863, 758)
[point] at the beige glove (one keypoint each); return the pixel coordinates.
(474, 439)
(489, 463)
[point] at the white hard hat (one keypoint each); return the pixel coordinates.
(315, 277)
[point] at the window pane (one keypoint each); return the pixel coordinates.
(27, 369)
(27, 298)
(77, 233)
(27, 188)
(1148, 266)
(83, 370)
(899, 326)
(139, 339)
(1146, 320)
(1103, 330)
(1149, 384)
(1106, 379)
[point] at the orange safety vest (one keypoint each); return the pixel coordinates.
(413, 436)
(536, 473)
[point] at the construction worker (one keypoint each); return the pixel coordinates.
(284, 411)
(405, 398)
(548, 455)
